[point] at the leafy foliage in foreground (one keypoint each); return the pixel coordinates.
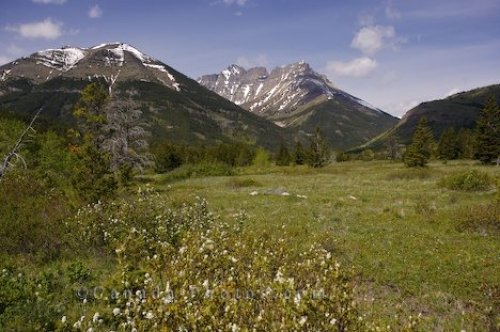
(184, 269)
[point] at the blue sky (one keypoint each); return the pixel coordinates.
(391, 53)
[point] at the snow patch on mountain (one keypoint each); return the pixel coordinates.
(5, 74)
(62, 59)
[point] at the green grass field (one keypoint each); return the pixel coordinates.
(400, 231)
(394, 249)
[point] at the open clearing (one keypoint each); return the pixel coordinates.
(395, 226)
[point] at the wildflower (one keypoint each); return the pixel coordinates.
(303, 320)
(333, 321)
(149, 315)
(116, 311)
(279, 277)
(64, 319)
(297, 298)
(95, 319)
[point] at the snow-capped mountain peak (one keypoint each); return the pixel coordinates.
(282, 90)
(62, 59)
(119, 47)
(111, 61)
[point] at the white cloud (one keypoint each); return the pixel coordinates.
(359, 67)
(56, 2)
(238, 14)
(259, 61)
(370, 39)
(46, 29)
(235, 2)
(4, 60)
(95, 12)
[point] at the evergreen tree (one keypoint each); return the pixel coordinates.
(466, 142)
(448, 148)
(419, 151)
(319, 151)
(299, 154)
(283, 158)
(93, 177)
(90, 112)
(488, 133)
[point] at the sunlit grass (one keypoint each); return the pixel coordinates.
(396, 226)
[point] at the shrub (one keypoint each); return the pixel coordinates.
(32, 215)
(410, 174)
(243, 183)
(471, 180)
(199, 170)
(367, 155)
(482, 218)
(262, 158)
(210, 275)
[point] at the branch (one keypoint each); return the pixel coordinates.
(14, 151)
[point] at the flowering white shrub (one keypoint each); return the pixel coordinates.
(187, 270)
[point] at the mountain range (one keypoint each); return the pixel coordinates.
(252, 105)
(176, 107)
(300, 99)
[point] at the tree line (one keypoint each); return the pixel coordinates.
(482, 143)
(109, 145)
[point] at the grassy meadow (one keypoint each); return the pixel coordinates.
(353, 246)
(415, 247)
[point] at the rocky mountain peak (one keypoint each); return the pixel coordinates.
(280, 91)
(114, 61)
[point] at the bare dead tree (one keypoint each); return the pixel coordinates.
(125, 135)
(13, 154)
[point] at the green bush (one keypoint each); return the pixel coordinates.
(262, 158)
(32, 215)
(482, 218)
(243, 183)
(199, 170)
(367, 155)
(471, 180)
(410, 174)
